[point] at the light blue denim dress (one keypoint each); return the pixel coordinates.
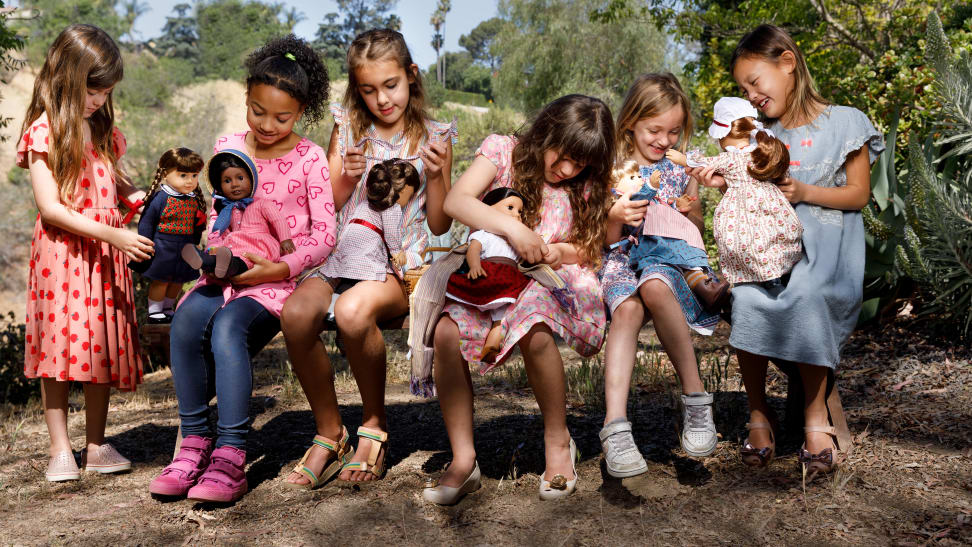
(809, 319)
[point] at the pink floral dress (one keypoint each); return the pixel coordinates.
(80, 311)
(584, 332)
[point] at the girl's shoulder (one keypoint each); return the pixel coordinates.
(339, 113)
(496, 147)
(36, 139)
(231, 141)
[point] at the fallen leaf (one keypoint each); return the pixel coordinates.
(903, 383)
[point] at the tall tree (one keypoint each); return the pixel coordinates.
(54, 15)
(333, 38)
(230, 29)
(9, 42)
(479, 42)
(180, 35)
(437, 21)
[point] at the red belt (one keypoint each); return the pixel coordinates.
(368, 225)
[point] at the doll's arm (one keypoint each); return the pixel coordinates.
(472, 259)
(676, 157)
(149, 221)
(391, 227)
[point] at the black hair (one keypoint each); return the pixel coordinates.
(289, 64)
(217, 165)
(386, 180)
(497, 195)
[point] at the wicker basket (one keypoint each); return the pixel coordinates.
(412, 276)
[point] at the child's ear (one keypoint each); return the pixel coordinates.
(412, 72)
(787, 61)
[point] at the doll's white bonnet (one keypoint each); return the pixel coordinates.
(726, 111)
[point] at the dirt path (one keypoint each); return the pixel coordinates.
(907, 483)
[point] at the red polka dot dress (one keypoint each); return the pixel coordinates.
(80, 311)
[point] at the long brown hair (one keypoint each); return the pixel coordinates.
(579, 128)
(82, 57)
(384, 45)
(178, 159)
(768, 42)
(770, 160)
(651, 95)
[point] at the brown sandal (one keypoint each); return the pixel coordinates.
(342, 452)
(378, 440)
(758, 457)
(823, 462)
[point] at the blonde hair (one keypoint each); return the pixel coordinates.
(579, 128)
(384, 45)
(651, 95)
(82, 57)
(768, 42)
(178, 159)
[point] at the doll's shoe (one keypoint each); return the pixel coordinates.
(223, 258)
(449, 495)
(62, 467)
(181, 475)
(191, 255)
(559, 487)
(225, 478)
(159, 318)
(621, 455)
(713, 293)
(758, 457)
(104, 459)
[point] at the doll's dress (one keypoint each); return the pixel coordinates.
(503, 282)
(171, 220)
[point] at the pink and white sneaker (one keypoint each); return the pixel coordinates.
(104, 459)
(186, 468)
(224, 479)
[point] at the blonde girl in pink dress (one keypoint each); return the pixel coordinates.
(562, 166)
(80, 313)
(382, 117)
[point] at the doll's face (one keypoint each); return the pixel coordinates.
(271, 113)
(510, 206)
(557, 169)
(181, 181)
(235, 183)
(653, 136)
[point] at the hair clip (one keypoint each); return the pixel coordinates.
(290, 56)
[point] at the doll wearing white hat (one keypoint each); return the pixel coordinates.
(757, 231)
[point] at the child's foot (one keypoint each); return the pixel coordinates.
(621, 455)
(223, 257)
(368, 463)
(181, 475)
(62, 467)
(559, 480)
(698, 429)
(225, 477)
(492, 345)
(104, 459)
(191, 255)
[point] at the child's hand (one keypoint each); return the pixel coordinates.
(526, 243)
(435, 156)
(475, 272)
(287, 247)
(676, 157)
(794, 190)
(554, 256)
(684, 203)
(135, 247)
(655, 180)
(398, 259)
(354, 163)
(628, 212)
(707, 176)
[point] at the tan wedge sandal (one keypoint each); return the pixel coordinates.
(823, 462)
(342, 454)
(758, 457)
(378, 439)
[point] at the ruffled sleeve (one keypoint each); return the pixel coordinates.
(858, 131)
(341, 121)
(498, 149)
(36, 138)
(119, 142)
(442, 131)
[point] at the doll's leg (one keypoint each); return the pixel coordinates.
(494, 339)
(156, 300)
(712, 292)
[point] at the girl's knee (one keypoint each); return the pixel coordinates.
(353, 314)
(446, 336)
(631, 311)
(300, 315)
(538, 340)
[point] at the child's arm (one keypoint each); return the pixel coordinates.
(123, 185)
(52, 211)
(624, 211)
(462, 203)
(312, 250)
(852, 197)
(472, 259)
(437, 158)
(347, 169)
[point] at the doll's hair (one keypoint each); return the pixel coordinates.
(625, 169)
(579, 128)
(770, 160)
(386, 181)
(649, 96)
(221, 162)
(374, 46)
(289, 64)
(497, 195)
(768, 42)
(180, 159)
(82, 57)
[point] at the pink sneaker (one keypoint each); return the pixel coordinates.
(224, 479)
(180, 475)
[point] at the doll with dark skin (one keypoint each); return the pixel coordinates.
(493, 281)
(258, 229)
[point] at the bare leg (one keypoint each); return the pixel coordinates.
(358, 312)
(95, 414)
(454, 387)
(302, 321)
(54, 396)
(815, 405)
(619, 356)
(673, 333)
(172, 290)
(157, 290)
(545, 370)
(753, 370)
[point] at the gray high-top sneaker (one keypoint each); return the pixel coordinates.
(698, 430)
(621, 454)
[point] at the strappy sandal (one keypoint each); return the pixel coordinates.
(342, 452)
(823, 462)
(378, 439)
(758, 457)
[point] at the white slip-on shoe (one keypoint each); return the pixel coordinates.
(560, 487)
(441, 494)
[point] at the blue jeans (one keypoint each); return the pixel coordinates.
(210, 348)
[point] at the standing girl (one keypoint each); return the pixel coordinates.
(654, 118)
(807, 319)
(218, 327)
(80, 314)
(382, 117)
(561, 165)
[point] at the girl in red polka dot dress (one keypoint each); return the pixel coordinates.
(80, 314)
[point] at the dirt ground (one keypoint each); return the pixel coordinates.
(908, 482)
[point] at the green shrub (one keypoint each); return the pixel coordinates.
(14, 386)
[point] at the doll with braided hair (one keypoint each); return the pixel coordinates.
(174, 215)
